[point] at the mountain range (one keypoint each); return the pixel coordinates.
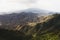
(30, 24)
(22, 18)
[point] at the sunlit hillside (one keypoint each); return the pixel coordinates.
(47, 30)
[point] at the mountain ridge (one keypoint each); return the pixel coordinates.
(19, 18)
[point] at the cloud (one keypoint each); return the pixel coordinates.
(13, 5)
(29, 1)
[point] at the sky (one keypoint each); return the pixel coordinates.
(14, 5)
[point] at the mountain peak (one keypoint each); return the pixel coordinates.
(36, 10)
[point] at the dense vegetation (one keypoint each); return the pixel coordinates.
(49, 30)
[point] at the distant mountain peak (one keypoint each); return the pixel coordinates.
(36, 10)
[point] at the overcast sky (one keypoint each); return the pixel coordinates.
(14, 5)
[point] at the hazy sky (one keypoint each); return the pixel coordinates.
(13, 5)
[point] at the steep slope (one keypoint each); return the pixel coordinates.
(47, 30)
(21, 19)
(54, 23)
(51, 24)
